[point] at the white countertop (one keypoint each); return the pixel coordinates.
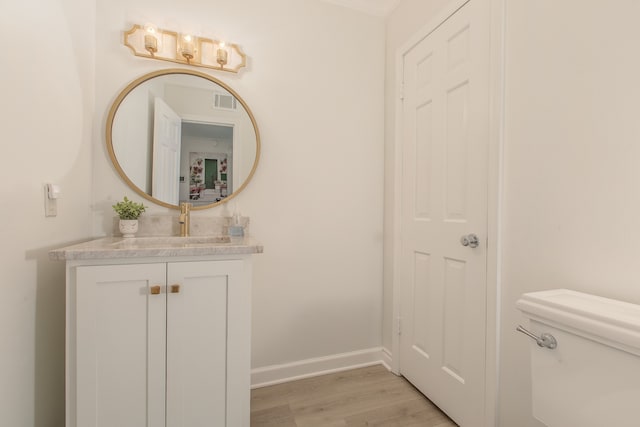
(165, 246)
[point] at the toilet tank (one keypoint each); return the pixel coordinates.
(592, 377)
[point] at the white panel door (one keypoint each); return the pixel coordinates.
(197, 295)
(167, 128)
(120, 346)
(444, 197)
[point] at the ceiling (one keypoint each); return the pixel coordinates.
(207, 131)
(373, 7)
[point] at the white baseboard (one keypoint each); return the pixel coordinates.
(386, 357)
(277, 374)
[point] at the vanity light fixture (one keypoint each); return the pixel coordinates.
(148, 41)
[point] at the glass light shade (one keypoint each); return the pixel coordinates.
(187, 46)
(151, 41)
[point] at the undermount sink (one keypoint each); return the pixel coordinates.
(171, 241)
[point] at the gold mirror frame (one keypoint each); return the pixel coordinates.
(149, 76)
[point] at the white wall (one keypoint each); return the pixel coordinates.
(572, 181)
(315, 83)
(46, 82)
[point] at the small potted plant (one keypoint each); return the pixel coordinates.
(129, 212)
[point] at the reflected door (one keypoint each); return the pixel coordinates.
(167, 126)
(444, 197)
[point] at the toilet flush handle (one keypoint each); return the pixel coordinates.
(544, 340)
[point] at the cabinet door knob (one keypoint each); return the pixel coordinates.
(155, 290)
(175, 289)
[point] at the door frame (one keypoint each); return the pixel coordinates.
(236, 152)
(494, 194)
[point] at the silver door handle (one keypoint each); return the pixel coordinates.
(544, 340)
(470, 240)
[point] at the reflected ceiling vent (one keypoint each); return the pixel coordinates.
(224, 101)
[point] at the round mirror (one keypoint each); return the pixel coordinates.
(183, 136)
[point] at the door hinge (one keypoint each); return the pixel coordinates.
(398, 325)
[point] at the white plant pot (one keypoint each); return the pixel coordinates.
(128, 227)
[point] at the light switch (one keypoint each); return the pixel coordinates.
(51, 194)
(54, 191)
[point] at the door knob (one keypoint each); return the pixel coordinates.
(470, 240)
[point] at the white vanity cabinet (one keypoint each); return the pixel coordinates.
(159, 342)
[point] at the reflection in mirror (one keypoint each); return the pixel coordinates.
(182, 136)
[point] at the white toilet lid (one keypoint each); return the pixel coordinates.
(608, 321)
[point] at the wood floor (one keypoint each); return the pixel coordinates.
(369, 396)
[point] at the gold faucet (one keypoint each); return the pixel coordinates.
(183, 219)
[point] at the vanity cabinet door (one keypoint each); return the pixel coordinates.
(197, 342)
(161, 345)
(120, 345)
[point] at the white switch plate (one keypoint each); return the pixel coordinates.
(50, 205)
